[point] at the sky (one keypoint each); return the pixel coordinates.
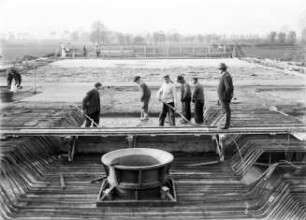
(40, 17)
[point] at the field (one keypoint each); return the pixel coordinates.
(279, 52)
(67, 81)
(13, 51)
(276, 52)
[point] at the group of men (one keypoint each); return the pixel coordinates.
(167, 96)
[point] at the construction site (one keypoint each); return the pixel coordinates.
(51, 166)
(158, 110)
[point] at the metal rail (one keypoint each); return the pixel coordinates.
(152, 131)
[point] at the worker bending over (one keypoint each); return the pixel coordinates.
(198, 100)
(225, 94)
(13, 73)
(185, 98)
(144, 98)
(91, 106)
(167, 95)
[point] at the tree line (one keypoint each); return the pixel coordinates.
(100, 34)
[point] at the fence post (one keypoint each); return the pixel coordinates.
(121, 50)
(145, 50)
(154, 50)
(224, 49)
(102, 51)
(168, 52)
(208, 50)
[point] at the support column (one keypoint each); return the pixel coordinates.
(131, 141)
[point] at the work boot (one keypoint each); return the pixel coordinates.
(227, 121)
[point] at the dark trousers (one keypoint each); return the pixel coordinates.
(145, 106)
(18, 79)
(198, 111)
(186, 110)
(166, 109)
(226, 109)
(95, 117)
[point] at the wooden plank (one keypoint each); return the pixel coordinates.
(160, 131)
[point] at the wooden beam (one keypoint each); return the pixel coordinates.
(152, 131)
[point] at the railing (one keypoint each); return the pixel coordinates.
(150, 51)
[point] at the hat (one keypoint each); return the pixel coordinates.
(222, 66)
(136, 78)
(195, 77)
(98, 84)
(180, 77)
(166, 77)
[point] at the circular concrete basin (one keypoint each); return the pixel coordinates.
(137, 168)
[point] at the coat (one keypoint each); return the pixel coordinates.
(225, 88)
(167, 93)
(91, 102)
(198, 93)
(185, 92)
(145, 92)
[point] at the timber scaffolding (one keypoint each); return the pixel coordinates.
(38, 183)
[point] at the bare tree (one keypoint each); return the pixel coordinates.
(98, 33)
(120, 38)
(281, 37)
(128, 38)
(74, 36)
(272, 37)
(159, 37)
(292, 37)
(303, 37)
(138, 40)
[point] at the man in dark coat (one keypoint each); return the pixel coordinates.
(198, 100)
(225, 94)
(185, 98)
(98, 50)
(144, 98)
(13, 73)
(91, 106)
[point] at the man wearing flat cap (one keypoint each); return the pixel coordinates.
(167, 95)
(144, 98)
(185, 98)
(225, 94)
(198, 100)
(91, 106)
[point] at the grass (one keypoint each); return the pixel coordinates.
(279, 52)
(276, 52)
(13, 51)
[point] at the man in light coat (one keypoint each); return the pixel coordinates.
(167, 95)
